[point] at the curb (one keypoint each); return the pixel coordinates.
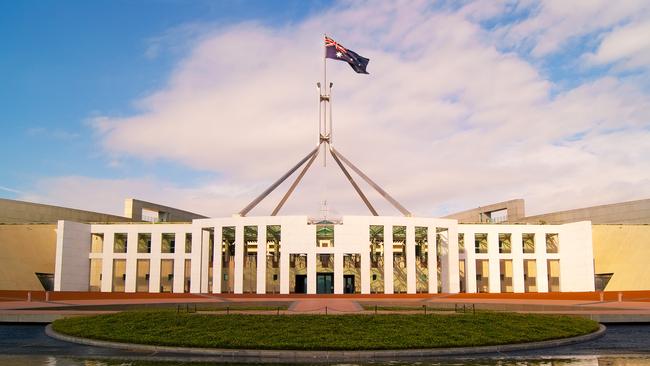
(252, 355)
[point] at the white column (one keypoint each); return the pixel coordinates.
(154, 264)
(311, 273)
(388, 259)
(217, 265)
(540, 261)
(239, 259)
(432, 258)
(131, 261)
(261, 259)
(284, 270)
(517, 262)
(470, 261)
(196, 268)
(179, 262)
(107, 262)
(494, 279)
(453, 277)
(410, 259)
(205, 257)
(365, 269)
(338, 273)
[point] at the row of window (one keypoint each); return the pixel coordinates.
(120, 243)
(505, 243)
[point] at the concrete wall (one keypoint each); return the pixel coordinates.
(623, 250)
(133, 209)
(16, 212)
(24, 250)
(481, 214)
(632, 212)
(72, 266)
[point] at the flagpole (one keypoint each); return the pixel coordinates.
(324, 132)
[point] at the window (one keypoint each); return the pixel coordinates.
(528, 242)
(144, 243)
(325, 236)
(461, 243)
(552, 243)
(480, 243)
(505, 245)
(120, 243)
(188, 243)
(96, 243)
(168, 243)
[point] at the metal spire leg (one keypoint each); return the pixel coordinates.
(277, 183)
(295, 183)
(374, 185)
(354, 184)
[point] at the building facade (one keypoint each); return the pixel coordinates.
(293, 254)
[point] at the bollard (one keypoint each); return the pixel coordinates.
(425, 309)
(455, 308)
(278, 311)
(602, 296)
(29, 296)
(47, 296)
(326, 310)
(227, 310)
(620, 296)
(473, 309)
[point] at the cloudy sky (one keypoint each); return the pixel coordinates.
(201, 105)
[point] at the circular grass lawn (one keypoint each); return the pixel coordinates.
(323, 332)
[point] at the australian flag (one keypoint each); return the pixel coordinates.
(335, 51)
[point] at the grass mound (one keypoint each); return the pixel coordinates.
(324, 332)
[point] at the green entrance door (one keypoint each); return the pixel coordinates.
(348, 284)
(325, 283)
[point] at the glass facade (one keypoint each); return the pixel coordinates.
(399, 259)
(482, 275)
(227, 259)
(166, 275)
(530, 275)
(352, 273)
(298, 273)
(119, 275)
(168, 243)
(96, 243)
(95, 283)
(376, 259)
(273, 237)
(250, 259)
(528, 243)
(422, 259)
(119, 243)
(144, 243)
(142, 275)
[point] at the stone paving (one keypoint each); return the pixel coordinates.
(633, 308)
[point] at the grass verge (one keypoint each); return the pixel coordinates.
(323, 332)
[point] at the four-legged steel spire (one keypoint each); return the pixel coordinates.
(325, 141)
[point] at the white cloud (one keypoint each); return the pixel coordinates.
(554, 23)
(628, 45)
(444, 121)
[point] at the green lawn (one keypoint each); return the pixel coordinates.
(324, 332)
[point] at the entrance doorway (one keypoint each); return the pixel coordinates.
(325, 283)
(301, 284)
(348, 284)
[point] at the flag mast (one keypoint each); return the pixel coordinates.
(358, 64)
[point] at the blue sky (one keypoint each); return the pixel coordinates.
(66, 61)
(201, 104)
